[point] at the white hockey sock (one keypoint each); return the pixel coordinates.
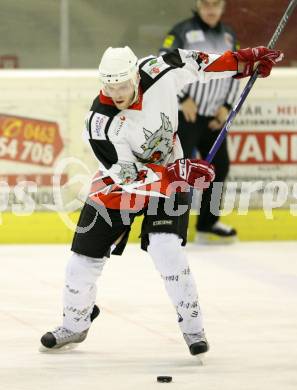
(80, 291)
(170, 260)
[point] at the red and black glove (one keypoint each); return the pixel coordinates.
(189, 171)
(266, 58)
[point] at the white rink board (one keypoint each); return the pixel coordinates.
(248, 296)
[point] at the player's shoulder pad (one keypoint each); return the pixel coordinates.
(104, 109)
(153, 68)
(99, 119)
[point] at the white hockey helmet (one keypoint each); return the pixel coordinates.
(118, 64)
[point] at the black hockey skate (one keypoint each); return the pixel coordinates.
(218, 234)
(62, 337)
(196, 342)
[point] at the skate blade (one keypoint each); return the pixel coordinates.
(64, 348)
(200, 358)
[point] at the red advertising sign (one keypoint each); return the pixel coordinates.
(30, 141)
(263, 147)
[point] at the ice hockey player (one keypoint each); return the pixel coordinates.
(131, 128)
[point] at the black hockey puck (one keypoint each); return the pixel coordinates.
(164, 379)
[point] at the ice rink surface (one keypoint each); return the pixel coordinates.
(248, 293)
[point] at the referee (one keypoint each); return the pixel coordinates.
(204, 108)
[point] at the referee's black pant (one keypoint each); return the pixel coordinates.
(198, 135)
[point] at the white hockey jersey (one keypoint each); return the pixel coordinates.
(135, 145)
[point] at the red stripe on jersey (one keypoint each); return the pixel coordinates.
(107, 180)
(226, 62)
(100, 185)
(126, 201)
(121, 201)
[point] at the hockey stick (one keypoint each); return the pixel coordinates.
(249, 84)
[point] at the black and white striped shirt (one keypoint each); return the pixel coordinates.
(194, 34)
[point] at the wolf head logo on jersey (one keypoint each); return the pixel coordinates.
(158, 144)
(129, 173)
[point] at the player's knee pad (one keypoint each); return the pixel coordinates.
(167, 253)
(84, 268)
